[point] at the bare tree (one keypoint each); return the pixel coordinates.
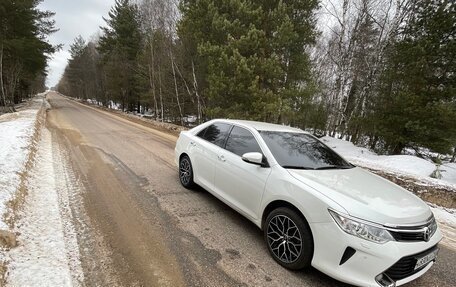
(351, 54)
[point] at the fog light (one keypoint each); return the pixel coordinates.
(385, 281)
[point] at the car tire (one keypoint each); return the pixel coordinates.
(186, 172)
(289, 239)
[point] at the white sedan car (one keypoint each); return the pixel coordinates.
(314, 207)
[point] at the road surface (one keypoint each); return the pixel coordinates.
(137, 226)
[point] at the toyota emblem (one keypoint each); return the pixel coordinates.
(426, 234)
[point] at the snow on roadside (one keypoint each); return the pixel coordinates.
(45, 255)
(406, 165)
(449, 172)
(402, 164)
(16, 134)
(446, 216)
(446, 219)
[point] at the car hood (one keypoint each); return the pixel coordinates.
(365, 195)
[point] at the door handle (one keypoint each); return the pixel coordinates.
(221, 158)
(193, 143)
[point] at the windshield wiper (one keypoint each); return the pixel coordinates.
(334, 167)
(296, 167)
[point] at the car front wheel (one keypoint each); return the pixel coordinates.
(186, 172)
(289, 238)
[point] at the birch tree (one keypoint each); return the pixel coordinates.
(353, 51)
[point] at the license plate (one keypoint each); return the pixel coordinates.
(420, 262)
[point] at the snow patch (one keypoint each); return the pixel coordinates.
(448, 171)
(402, 164)
(46, 255)
(443, 215)
(16, 133)
(446, 219)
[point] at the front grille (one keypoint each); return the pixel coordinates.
(416, 233)
(405, 267)
(408, 236)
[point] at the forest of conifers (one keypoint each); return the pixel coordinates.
(24, 50)
(380, 73)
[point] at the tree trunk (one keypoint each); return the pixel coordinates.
(12, 83)
(195, 87)
(175, 87)
(152, 78)
(160, 91)
(373, 142)
(185, 83)
(1, 76)
(398, 148)
(123, 100)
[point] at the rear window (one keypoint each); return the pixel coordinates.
(241, 141)
(215, 133)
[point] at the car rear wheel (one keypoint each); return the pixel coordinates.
(289, 238)
(186, 172)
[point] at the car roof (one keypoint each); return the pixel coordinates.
(262, 126)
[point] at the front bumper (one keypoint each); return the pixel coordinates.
(369, 259)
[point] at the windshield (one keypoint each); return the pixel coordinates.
(302, 151)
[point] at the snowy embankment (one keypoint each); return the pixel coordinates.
(45, 255)
(16, 137)
(409, 165)
(48, 253)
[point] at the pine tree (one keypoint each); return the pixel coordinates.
(24, 50)
(418, 102)
(82, 77)
(120, 46)
(253, 53)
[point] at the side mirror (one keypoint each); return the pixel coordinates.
(254, 158)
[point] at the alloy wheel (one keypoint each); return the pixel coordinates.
(185, 171)
(284, 239)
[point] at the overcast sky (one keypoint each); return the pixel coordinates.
(73, 18)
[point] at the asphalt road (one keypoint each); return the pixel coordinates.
(137, 226)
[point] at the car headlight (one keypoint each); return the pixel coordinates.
(362, 230)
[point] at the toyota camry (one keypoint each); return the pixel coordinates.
(314, 207)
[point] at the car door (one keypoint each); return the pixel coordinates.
(204, 150)
(240, 183)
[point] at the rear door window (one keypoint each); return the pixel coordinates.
(215, 133)
(201, 133)
(241, 141)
